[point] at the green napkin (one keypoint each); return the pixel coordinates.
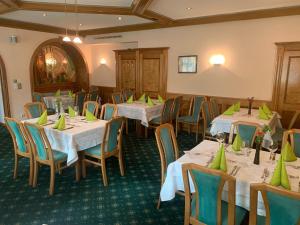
(72, 112)
(219, 162)
(267, 110)
(89, 116)
(160, 99)
(288, 154)
(229, 111)
(237, 143)
(43, 118)
(142, 98)
(262, 115)
(70, 94)
(61, 123)
(130, 100)
(237, 107)
(57, 94)
(150, 102)
(280, 176)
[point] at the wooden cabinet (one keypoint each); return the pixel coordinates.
(142, 70)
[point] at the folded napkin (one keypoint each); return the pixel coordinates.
(150, 102)
(262, 115)
(237, 107)
(89, 116)
(160, 99)
(57, 94)
(219, 162)
(280, 176)
(71, 94)
(143, 98)
(229, 111)
(130, 100)
(43, 118)
(288, 154)
(61, 123)
(266, 110)
(71, 111)
(238, 142)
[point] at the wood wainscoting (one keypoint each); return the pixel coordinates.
(104, 92)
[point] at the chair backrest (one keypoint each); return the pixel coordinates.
(108, 111)
(176, 107)
(206, 203)
(37, 97)
(282, 206)
(18, 135)
(34, 109)
(166, 111)
(195, 107)
(246, 130)
(80, 98)
(39, 142)
(293, 136)
(294, 118)
(127, 93)
(92, 107)
(117, 98)
(93, 96)
(167, 146)
(215, 110)
(113, 136)
(206, 115)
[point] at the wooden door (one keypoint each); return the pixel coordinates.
(287, 86)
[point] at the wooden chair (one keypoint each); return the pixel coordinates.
(207, 119)
(293, 136)
(246, 130)
(206, 205)
(108, 111)
(93, 96)
(34, 109)
(92, 107)
(21, 145)
(282, 206)
(80, 98)
(168, 149)
(127, 93)
(117, 98)
(176, 108)
(215, 110)
(194, 117)
(43, 153)
(111, 147)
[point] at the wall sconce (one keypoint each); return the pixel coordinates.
(217, 59)
(103, 61)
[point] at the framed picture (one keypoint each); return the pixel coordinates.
(187, 64)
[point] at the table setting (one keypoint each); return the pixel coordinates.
(65, 100)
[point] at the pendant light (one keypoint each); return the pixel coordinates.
(77, 39)
(66, 37)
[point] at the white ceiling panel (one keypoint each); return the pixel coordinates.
(123, 3)
(88, 21)
(177, 9)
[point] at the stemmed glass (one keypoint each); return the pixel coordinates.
(76, 110)
(273, 148)
(246, 148)
(220, 136)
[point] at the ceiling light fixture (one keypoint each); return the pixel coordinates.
(66, 37)
(188, 8)
(119, 18)
(77, 39)
(44, 14)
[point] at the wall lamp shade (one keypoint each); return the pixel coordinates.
(77, 40)
(217, 60)
(103, 61)
(66, 39)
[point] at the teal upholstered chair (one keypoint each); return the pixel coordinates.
(127, 93)
(207, 119)
(165, 116)
(37, 97)
(194, 117)
(112, 146)
(117, 98)
(92, 107)
(34, 109)
(282, 206)
(21, 146)
(246, 130)
(206, 205)
(167, 147)
(93, 96)
(43, 153)
(293, 136)
(80, 98)
(176, 108)
(215, 110)
(108, 111)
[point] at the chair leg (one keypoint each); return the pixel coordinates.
(158, 203)
(197, 131)
(126, 124)
(103, 170)
(35, 174)
(30, 171)
(83, 168)
(52, 180)
(121, 165)
(146, 132)
(16, 166)
(176, 127)
(189, 128)
(59, 168)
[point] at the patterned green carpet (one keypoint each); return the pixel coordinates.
(127, 200)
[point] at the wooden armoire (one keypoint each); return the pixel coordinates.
(143, 70)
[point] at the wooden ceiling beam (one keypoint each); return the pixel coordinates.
(140, 6)
(90, 9)
(10, 3)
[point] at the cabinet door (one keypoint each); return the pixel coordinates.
(128, 74)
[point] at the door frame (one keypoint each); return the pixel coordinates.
(5, 94)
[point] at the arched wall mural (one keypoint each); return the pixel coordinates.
(4, 88)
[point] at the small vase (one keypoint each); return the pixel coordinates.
(257, 153)
(250, 100)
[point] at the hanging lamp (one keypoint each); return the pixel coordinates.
(76, 39)
(66, 38)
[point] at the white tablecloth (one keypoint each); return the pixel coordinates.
(249, 173)
(223, 123)
(140, 111)
(83, 135)
(66, 100)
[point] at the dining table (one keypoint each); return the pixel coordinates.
(239, 164)
(66, 101)
(223, 123)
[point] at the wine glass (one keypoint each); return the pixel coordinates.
(273, 148)
(246, 148)
(220, 136)
(76, 110)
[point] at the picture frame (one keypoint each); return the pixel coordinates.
(187, 64)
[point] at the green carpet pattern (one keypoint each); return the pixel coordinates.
(127, 200)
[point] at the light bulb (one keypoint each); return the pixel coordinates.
(66, 39)
(77, 40)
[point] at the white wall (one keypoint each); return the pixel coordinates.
(248, 46)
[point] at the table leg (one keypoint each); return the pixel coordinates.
(78, 167)
(138, 128)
